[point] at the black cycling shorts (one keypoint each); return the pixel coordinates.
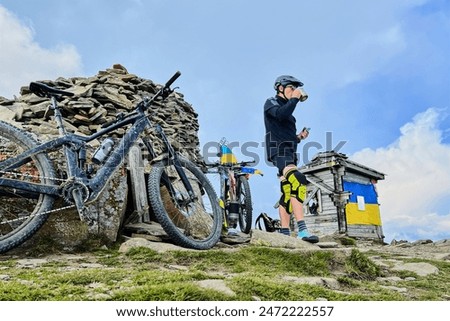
(282, 161)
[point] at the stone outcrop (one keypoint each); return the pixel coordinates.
(405, 273)
(98, 100)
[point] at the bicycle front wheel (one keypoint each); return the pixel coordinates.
(22, 213)
(190, 221)
(245, 203)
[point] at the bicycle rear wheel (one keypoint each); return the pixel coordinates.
(245, 203)
(193, 223)
(22, 213)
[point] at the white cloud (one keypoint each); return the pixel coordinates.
(368, 52)
(23, 60)
(415, 196)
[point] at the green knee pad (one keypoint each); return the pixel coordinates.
(285, 199)
(298, 184)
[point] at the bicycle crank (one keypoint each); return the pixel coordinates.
(74, 191)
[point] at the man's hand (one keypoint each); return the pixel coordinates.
(296, 94)
(303, 134)
(300, 94)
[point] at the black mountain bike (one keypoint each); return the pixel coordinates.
(183, 200)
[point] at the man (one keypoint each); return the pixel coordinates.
(281, 148)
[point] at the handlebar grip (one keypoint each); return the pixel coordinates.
(212, 165)
(171, 80)
(252, 162)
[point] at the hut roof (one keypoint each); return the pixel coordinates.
(325, 160)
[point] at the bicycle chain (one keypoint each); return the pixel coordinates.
(34, 176)
(43, 213)
(33, 215)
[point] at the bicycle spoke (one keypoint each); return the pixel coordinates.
(21, 212)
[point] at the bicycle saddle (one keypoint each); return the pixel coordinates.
(43, 90)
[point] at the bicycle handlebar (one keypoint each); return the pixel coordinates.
(247, 163)
(146, 102)
(163, 92)
(171, 80)
(241, 164)
(43, 90)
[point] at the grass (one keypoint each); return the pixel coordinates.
(251, 272)
(359, 266)
(432, 287)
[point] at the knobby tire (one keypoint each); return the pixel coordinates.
(245, 202)
(192, 224)
(21, 213)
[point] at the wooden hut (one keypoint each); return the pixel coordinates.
(342, 197)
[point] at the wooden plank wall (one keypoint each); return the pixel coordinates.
(138, 183)
(326, 221)
(365, 231)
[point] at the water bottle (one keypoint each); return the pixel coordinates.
(103, 151)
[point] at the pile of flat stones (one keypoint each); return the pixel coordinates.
(98, 100)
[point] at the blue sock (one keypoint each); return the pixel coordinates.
(302, 230)
(285, 231)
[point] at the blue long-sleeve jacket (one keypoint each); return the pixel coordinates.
(281, 130)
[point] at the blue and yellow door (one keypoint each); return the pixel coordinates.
(362, 207)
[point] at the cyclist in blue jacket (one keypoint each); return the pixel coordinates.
(281, 149)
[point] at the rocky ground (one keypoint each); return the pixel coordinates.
(416, 259)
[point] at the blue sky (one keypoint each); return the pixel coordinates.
(377, 75)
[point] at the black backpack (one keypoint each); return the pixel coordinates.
(270, 224)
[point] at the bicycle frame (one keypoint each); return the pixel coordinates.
(75, 150)
(74, 147)
(230, 172)
(229, 175)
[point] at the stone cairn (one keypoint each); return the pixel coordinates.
(98, 100)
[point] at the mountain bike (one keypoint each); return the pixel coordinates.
(181, 196)
(235, 194)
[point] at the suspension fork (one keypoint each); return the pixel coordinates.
(232, 182)
(176, 162)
